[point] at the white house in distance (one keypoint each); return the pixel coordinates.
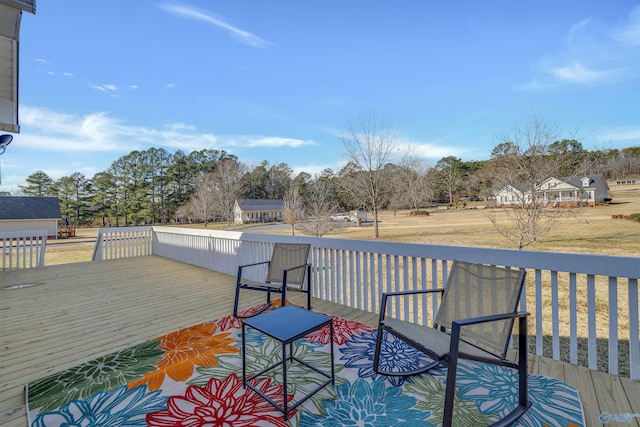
(19, 213)
(558, 192)
(257, 210)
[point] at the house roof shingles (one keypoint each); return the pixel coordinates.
(260, 205)
(21, 207)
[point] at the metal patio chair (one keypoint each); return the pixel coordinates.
(474, 321)
(288, 270)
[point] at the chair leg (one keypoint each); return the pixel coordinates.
(522, 363)
(308, 287)
(235, 302)
(376, 355)
(452, 370)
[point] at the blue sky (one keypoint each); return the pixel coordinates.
(281, 80)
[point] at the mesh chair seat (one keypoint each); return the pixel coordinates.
(433, 342)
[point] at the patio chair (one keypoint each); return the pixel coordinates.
(287, 271)
(474, 321)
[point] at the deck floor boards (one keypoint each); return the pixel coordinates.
(76, 312)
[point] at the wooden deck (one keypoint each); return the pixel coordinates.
(59, 316)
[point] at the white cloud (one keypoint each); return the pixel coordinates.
(594, 53)
(104, 88)
(534, 84)
(619, 134)
(430, 150)
(241, 35)
(96, 132)
(630, 34)
(269, 141)
(578, 73)
(574, 32)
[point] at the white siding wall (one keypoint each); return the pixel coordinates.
(50, 225)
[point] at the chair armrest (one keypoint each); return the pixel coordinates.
(456, 325)
(287, 270)
(297, 267)
(255, 263)
(240, 267)
(383, 302)
(486, 319)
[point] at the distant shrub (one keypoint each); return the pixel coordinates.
(635, 215)
(419, 213)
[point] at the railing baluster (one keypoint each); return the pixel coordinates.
(573, 319)
(634, 330)
(613, 325)
(591, 307)
(555, 317)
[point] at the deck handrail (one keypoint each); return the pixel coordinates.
(356, 272)
(122, 242)
(22, 249)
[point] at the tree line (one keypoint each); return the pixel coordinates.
(155, 186)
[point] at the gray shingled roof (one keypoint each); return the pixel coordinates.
(596, 181)
(19, 207)
(259, 205)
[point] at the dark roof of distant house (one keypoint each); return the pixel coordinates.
(260, 205)
(20, 207)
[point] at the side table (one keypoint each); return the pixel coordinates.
(286, 325)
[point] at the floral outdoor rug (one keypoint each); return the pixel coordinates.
(193, 377)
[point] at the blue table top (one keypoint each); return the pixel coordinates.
(287, 322)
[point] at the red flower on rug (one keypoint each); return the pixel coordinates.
(185, 349)
(222, 403)
(229, 322)
(343, 330)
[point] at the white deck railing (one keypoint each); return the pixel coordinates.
(566, 292)
(122, 242)
(22, 249)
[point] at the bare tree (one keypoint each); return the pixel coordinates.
(319, 205)
(292, 209)
(523, 161)
(416, 186)
(369, 147)
(184, 213)
(202, 200)
(227, 185)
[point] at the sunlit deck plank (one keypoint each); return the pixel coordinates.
(580, 378)
(80, 311)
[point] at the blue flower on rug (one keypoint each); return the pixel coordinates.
(397, 356)
(553, 401)
(493, 388)
(121, 407)
(366, 404)
(495, 391)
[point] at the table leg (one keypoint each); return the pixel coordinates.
(244, 365)
(284, 379)
(333, 373)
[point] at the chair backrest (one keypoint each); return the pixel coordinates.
(477, 290)
(285, 256)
